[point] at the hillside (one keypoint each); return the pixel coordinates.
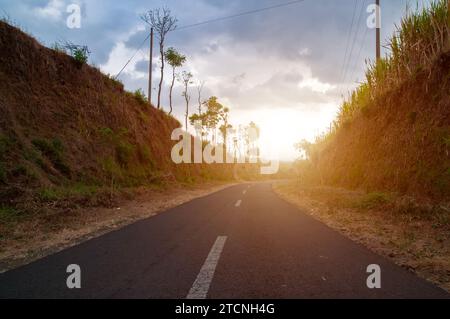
(67, 130)
(393, 133)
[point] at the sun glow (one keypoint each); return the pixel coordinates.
(281, 129)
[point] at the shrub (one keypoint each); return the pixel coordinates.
(79, 52)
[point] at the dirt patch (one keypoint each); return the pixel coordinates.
(410, 235)
(33, 238)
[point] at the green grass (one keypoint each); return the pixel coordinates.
(123, 149)
(53, 150)
(34, 157)
(106, 132)
(111, 168)
(139, 95)
(49, 195)
(124, 153)
(53, 194)
(8, 214)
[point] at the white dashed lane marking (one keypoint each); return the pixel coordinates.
(238, 204)
(201, 285)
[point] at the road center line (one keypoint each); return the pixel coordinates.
(201, 285)
(244, 192)
(238, 204)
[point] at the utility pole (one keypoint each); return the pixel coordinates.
(150, 71)
(378, 28)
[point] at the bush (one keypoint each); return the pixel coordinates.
(79, 52)
(81, 55)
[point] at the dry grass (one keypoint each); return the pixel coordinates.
(419, 41)
(392, 133)
(414, 235)
(27, 239)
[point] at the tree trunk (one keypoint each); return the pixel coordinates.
(187, 109)
(171, 90)
(161, 50)
(225, 142)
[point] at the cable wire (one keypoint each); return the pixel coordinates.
(132, 57)
(348, 40)
(212, 21)
(354, 40)
(238, 15)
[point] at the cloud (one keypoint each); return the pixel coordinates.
(53, 10)
(288, 58)
(316, 85)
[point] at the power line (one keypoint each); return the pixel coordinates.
(212, 21)
(360, 51)
(132, 57)
(348, 40)
(239, 15)
(354, 40)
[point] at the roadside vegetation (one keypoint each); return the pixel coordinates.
(392, 132)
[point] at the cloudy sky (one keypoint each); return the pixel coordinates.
(283, 68)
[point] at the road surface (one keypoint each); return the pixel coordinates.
(242, 242)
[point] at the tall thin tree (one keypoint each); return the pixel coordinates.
(186, 80)
(176, 60)
(226, 126)
(162, 22)
(200, 87)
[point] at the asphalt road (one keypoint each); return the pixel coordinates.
(242, 242)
